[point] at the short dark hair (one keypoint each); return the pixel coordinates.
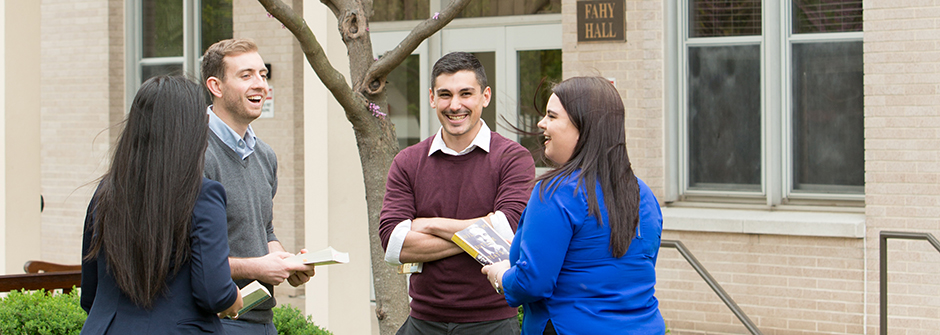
(595, 108)
(213, 64)
(459, 61)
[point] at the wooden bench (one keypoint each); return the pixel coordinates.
(43, 275)
(41, 267)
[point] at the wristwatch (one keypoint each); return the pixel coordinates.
(499, 288)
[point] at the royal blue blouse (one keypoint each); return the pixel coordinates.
(563, 270)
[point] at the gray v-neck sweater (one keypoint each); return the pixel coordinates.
(250, 185)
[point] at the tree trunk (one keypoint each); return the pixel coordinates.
(376, 151)
(365, 106)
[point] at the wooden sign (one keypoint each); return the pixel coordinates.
(601, 20)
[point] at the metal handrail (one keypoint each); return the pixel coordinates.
(712, 283)
(885, 235)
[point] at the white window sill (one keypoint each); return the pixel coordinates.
(850, 225)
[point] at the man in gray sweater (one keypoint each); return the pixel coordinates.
(235, 75)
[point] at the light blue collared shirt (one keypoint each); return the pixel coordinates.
(243, 146)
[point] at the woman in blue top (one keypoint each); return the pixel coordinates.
(155, 246)
(584, 255)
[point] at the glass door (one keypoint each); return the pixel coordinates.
(517, 59)
(536, 60)
(407, 89)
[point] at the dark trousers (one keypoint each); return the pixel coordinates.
(414, 326)
(247, 328)
(549, 329)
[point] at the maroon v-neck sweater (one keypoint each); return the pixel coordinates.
(457, 187)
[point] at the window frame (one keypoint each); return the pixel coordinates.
(775, 43)
(133, 45)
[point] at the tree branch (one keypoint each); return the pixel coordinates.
(394, 57)
(331, 78)
(332, 6)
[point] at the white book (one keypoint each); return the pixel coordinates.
(322, 257)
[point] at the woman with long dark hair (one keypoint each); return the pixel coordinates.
(583, 257)
(155, 246)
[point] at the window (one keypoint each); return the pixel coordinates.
(405, 96)
(171, 35)
(771, 101)
(400, 10)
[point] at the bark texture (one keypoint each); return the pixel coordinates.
(365, 106)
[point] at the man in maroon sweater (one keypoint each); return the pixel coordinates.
(443, 184)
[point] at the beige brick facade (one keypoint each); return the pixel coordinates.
(801, 284)
(788, 282)
(636, 67)
(902, 145)
(82, 96)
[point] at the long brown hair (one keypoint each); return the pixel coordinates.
(596, 110)
(144, 204)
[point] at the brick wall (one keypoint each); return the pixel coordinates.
(785, 284)
(637, 68)
(77, 100)
(790, 284)
(902, 159)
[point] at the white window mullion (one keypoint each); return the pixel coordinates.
(683, 98)
(787, 101)
(672, 150)
(160, 61)
(132, 48)
(771, 100)
(191, 19)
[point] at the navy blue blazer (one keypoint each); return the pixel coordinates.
(202, 288)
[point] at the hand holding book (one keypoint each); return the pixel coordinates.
(232, 311)
(494, 273)
(251, 295)
(483, 243)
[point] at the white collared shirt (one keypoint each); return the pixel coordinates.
(482, 140)
(499, 221)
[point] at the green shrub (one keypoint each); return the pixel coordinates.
(47, 313)
(520, 316)
(41, 312)
(290, 321)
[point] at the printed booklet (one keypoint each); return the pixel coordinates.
(482, 242)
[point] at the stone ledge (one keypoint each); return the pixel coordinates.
(825, 224)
